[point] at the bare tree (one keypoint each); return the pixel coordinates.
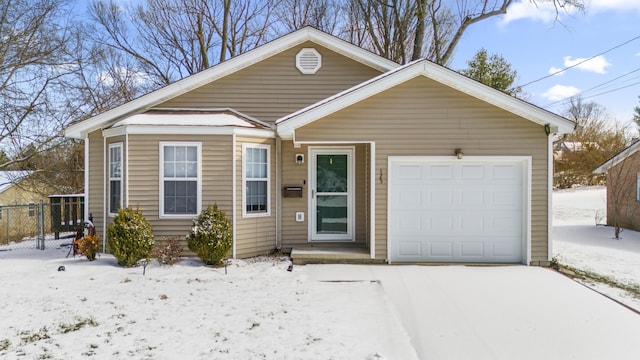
(323, 15)
(596, 139)
(34, 61)
(410, 29)
(172, 39)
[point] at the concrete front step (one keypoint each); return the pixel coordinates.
(310, 255)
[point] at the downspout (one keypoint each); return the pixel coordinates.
(104, 194)
(126, 169)
(233, 193)
(86, 177)
(278, 193)
(549, 196)
(372, 202)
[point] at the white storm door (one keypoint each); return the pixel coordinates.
(331, 194)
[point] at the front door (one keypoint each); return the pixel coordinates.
(331, 194)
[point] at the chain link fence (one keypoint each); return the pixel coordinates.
(41, 225)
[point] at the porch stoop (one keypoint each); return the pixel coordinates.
(331, 255)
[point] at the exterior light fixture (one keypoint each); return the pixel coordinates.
(459, 153)
(299, 159)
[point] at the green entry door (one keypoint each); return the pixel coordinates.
(331, 205)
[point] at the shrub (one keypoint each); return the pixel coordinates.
(168, 252)
(89, 246)
(211, 236)
(130, 237)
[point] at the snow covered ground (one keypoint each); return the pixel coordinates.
(579, 243)
(259, 310)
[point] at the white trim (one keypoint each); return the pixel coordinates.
(116, 145)
(278, 197)
(372, 200)
(86, 178)
(526, 204)
(549, 198)
(234, 194)
(105, 197)
(288, 124)
(186, 130)
(229, 67)
(267, 147)
(350, 151)
(126, 172)
(161, 178)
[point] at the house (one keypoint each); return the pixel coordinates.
(623, 187)
(16, 189)
(314, 144)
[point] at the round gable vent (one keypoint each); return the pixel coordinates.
(308, 61)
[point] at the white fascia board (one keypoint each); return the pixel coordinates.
(187, 130)
(226, 68)
(287, 125)
(618, 158)
(495, 97)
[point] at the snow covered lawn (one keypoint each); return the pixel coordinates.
(258, 310)
(579, 243)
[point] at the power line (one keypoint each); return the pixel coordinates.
(581, 62)
(600, 85)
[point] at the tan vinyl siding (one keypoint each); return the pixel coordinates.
(97, 168)
(144, 178)
(297, 233)
(255, 235)
(274, 87)
(424, 118)
(294, 233)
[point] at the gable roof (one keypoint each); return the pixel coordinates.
(618, 158)
(287, 124)
(145, 102)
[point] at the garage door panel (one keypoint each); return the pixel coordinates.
(456, 211)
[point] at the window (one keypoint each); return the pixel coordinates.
(115, 177)
(256, 179)
(180, 179)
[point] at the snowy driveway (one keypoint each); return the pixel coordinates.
(504, 312)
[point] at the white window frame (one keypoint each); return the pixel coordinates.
(198, 179)
(267, 212)
(638, 186)
(118, 146)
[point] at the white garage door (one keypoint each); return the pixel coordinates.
(468, 210)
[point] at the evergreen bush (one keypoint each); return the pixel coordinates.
(130, 237)
(211, 236)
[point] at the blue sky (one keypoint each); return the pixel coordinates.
(535, 44)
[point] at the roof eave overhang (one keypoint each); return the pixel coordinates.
(145, 102)
(617, 158)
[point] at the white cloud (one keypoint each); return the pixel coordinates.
(560, 92)
(553, 70)
(597, 65)
(616, 5)
(123, 73)
(545, 11)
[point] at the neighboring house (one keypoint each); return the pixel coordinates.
(623, 187)
(16, 189)
(563, 147)
(309, 142)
